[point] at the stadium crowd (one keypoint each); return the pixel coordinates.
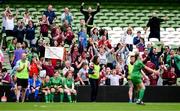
(89, 57)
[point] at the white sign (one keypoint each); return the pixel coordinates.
(54, 52)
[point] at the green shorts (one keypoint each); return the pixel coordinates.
(136, 80)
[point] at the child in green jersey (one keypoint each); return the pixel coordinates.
(57, 86)
(69, 87)
(46, 88)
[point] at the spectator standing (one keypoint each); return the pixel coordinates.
(17, 54)
(30, 33)
(19, 31)
(44, 25)
(154, 24)
(83, 74)
(66, 15)
(50, 14)
(114, 78)
(22, 76)
(136, 39)
(155, 55)
(89, 16)
(128, 39)
(26, 17)
(10, 19)
(94, 77)
(173, 60)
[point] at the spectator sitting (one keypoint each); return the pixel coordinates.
(69, 87)
(103, 32)
(5, 80)
(50, 14)
(34, 86)
(66, 15)
(46, 85)
(104, 41)
(57, 86)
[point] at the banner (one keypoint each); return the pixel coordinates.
(54, 52)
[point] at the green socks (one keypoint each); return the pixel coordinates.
(46, 98)
(141, 94)
(52, 97)
(69, 98)
(62, 97)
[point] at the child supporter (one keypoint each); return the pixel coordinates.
(56, 86)
(69, 87)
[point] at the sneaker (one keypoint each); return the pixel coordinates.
(140, 102)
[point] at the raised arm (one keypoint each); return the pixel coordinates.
(81, 9)
(98, 9)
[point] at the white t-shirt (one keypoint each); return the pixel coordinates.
(129, 39)
(114, 80)
(9, 24)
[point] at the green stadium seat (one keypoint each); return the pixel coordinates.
(103, 18)
(175, 26)
(104, 10)
(139, 15)
(175, 11)
(170, 15)
(125, 11)
(129, 14)
(107, 21)
(32, 9)
(109, 14)
(115, 11)
(118, 21)
(112, 25)
(119, 14)
(135, 11)
(144, 18)
(139, 22)
(165, 11)
(113, 18)
(134, 18)
(129, 21)
(170, 22)
(101, 25)
(99, 14)
(165, 25)
(124, 18)
(145, 11)
(123, 25)
(161, 15)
